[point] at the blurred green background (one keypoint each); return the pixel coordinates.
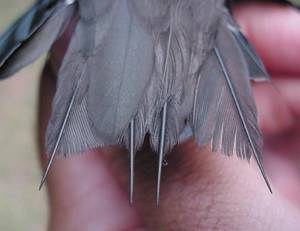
(22, 206)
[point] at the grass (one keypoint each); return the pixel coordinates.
(22, 206)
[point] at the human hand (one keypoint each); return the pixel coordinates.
(200, 190)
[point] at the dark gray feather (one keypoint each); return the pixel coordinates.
(257, 70)
(28, 44)
(24, 27)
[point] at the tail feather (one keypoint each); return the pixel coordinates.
(173, 55)
(225, 110)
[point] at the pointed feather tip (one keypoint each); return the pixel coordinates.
(130, 198)
(158, 181)
(157, 193)
(46, 173)
(157, 201)
(131, 160)
(131, 189)
(269, 186)
(42, 182)
(262, 171)
(267, 181)
(130, 201)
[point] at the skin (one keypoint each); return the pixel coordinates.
(200, 190)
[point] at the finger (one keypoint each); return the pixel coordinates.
(278, 109)
(205, 191)
(282, 164)
(275, 32)
(289, 89)
(83, 191)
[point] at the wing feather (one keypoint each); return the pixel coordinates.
(256, 67)
(257, 70)
(32, 35)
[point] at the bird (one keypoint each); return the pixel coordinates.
(163, 68)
